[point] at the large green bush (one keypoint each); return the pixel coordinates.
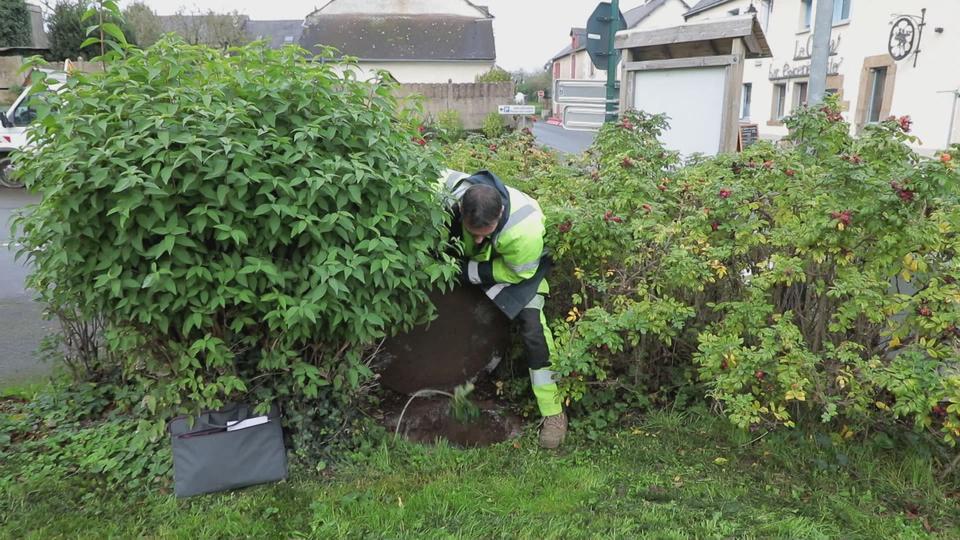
(816, 279)
(246, 223)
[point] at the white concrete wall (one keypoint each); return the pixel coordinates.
(915, 89)
(427, 72)
(669, 14)
(405, 7)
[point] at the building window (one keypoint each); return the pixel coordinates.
(747, 95)
(878, 77)
(766, 10)
(556, 70)
(779, 101)
(841, 11)
(806, 14)
(799, 95)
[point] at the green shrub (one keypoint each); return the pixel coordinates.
(449, 126)
(493, 125)
(495, 75)
(771, 271)
(813, 280)
(247, 224)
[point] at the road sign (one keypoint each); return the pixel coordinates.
(579, 91)
(516, 109)
(583, 117)
(599, 36)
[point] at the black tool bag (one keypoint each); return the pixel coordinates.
(218, 453)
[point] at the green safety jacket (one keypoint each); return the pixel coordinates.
(511, 265)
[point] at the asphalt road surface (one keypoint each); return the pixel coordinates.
(564, 140)
(21, 322)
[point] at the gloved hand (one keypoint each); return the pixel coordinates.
(464, 275)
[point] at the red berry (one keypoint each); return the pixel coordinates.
(647, 208)
(906, 195)
(723, 364)
(790, 172)
(616, 219)
(939, 411)
(759, 375)
(662, 187)
(421, 129)
(945, 158)
(768, 164)
(565, 226)
(844, 217)
(420, 140)
(924, 311)
(626, 163)
(725, 193)
(905, 123)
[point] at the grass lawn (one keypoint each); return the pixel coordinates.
(672, 476)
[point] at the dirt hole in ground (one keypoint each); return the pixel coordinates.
(428, 420)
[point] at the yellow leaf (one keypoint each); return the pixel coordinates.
(906, 275)
(895, 341)
(730, 358)
(841, 381)
(882, 406)
(720, 460)
(840, 226)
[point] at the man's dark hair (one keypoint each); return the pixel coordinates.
(481, 206)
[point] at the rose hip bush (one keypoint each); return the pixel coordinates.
(247, 224)
(811, 279)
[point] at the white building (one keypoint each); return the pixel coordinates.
(872, 84)
(573, 62)
(427, 41)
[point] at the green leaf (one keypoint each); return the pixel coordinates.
(114, 31)
(89, 41)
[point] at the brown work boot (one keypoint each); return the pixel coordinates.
(553, 431)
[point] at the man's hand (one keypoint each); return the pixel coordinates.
(464, 272)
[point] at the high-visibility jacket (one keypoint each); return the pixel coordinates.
(511, 264)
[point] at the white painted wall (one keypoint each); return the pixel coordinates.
(405, 7)
(427, 72)
(915, 89)
(669, 14)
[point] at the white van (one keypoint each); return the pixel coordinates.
(14, 122)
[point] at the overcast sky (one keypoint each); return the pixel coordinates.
(528, 32)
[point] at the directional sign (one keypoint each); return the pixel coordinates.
(583, 117)
(598, 35)
(579, 91)
(516, 109)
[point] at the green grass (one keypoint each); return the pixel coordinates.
(662, 479)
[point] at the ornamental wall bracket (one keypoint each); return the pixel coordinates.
(905, 34)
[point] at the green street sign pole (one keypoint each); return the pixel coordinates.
(612, 61)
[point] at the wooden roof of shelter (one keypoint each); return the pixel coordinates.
(710, 32)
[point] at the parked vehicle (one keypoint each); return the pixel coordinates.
(14, 123)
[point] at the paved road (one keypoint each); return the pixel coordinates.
(21, 324)
(564, 140)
